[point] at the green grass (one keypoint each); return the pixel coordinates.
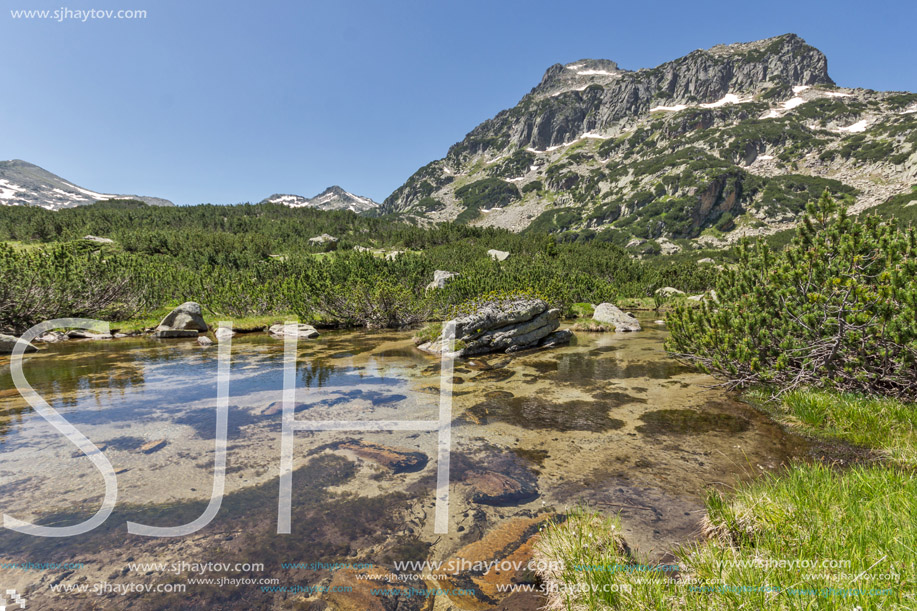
(776, 543)
(813, 537)
(21, 246)
(887, 425)
(149, 320)
(582, 310)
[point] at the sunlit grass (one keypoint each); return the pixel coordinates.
(776, 543)
(887, 425)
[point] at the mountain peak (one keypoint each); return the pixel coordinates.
(576, 76)
(332, 198)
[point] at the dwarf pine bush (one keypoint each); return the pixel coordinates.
(837, 308)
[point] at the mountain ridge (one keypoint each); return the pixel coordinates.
(332, 198)
(716, 144)
(26, 184)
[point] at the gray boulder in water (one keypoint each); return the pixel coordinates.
(8, 342)
(504, 326)
(611, 314)
(184, 321)
(300, 330)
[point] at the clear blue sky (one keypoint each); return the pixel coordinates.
(231, 101)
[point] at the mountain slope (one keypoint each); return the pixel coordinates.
(332, 198)
(26, 184)
(720, 143)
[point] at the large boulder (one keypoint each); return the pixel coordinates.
(504, 326)
(300, 331)
(92, 238)
(184, 321)
(499, 255)
(610, 314)
(8, 342)
(668, 291)
(440, 278)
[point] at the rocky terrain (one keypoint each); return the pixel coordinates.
(502, 326)
(332, 198)
(26, 184)
(718, 144)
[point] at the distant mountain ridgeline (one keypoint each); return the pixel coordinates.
(25, 184)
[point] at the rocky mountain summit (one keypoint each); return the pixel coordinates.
(723, 142)
(25, 184)
(332, 198)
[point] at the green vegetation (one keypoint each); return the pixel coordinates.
(902, 207)
(837, 309)
(487, 193)
(257, 261)
(887, 425)
(850, 531)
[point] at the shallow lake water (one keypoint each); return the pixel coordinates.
(609, 422)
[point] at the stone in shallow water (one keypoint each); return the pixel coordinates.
(153, 446)
(498, 489)
(299, 330)
(610, 314)
(397, 460)
(8, 342)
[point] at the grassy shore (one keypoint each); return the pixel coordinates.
(150, 320)
(817, 536)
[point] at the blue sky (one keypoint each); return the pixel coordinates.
(231, 101)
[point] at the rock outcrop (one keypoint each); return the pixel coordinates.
(322, 239)
(440, 278)
(92, 238)
(668, 291)
(300, 330)
(611, 314)
(499, 255)
(187, 320)
(504, 326)
(8, 342)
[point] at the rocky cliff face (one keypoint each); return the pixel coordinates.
(725, 140)
(25, 184)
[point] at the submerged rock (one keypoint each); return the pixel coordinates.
(498, 489)
(184, 321)
(611, 314)
(8, 342)
(300, 330)
(153, 446)
(397, 460)
(504, 326)
(204, 341)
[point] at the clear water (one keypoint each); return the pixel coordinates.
(610, 422)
